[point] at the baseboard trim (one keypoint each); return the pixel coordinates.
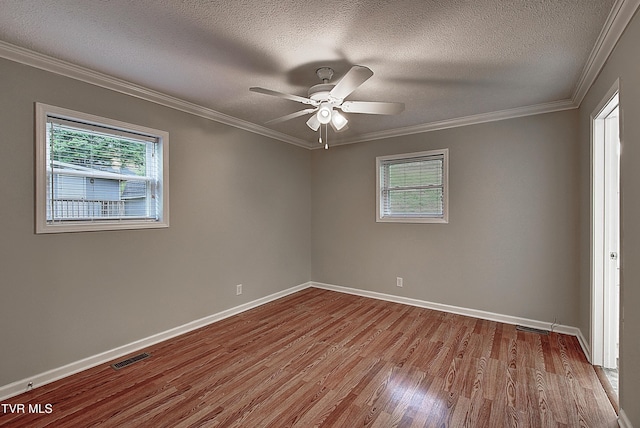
(475, 313)
(20, 386)
(623, 420)
(47, 377)
(586, 348)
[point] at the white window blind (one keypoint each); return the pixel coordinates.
(412, 187)
(97, 175)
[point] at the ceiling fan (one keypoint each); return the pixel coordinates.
(326, 99)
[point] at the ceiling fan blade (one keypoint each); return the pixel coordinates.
(283, 95)
(290, 116)
(355, 77)
(371, 107)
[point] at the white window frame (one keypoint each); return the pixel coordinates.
(380, 162)
(43, 111)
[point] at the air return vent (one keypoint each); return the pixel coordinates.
(531, 330)
(129, 361)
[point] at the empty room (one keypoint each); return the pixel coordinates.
(320, 214)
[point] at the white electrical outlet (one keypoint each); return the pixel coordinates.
(399, 282)
(238, 289)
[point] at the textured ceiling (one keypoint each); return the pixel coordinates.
(443, 59)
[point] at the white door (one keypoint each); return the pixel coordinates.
(605, 231)
(611, 290)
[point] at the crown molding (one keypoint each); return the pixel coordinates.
(64, 68)
(462, 121)
(621, 14)
(67, 69)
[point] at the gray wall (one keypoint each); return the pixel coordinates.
(510, 246)
(517, 242)
(239, 214)
(624, 63)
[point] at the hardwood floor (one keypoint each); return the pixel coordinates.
(321, 358)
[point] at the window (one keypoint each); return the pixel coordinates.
(94, 173)
(413, 188)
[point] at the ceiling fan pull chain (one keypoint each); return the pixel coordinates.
(326, 137)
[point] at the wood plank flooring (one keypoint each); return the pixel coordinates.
(319, 358)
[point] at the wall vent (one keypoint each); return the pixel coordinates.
(531, 330)
(129, 361)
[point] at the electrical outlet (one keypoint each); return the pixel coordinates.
(238, 289)
(399, 282)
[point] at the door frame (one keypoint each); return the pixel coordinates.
(597, 240)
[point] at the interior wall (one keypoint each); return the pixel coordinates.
(510, 246)
(517, 242)
(240, 214)
(623, 64)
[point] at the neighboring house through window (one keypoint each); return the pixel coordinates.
(413, 187)
(95, 173)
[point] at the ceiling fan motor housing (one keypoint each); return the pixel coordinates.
(320, 92)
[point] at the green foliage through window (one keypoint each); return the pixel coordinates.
(93, 150)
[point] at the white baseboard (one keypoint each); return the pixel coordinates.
(586, 348)
(41, 379)
(623, 420)
(475, 313)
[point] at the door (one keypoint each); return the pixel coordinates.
(605, 231)
(611, 285)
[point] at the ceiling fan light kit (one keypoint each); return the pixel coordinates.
(338, 121)
(324, 113)
(313, 122)
(327, 98)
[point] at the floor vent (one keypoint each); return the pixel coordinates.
(531, 330)
(129, 361)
